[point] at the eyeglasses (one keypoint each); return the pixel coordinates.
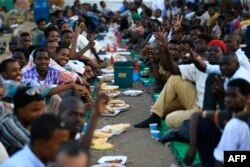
(33, 91)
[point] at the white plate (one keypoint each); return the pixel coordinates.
(110, 87)
(114, 132)
(108, 165)
(107, 71)
(132, 92)
(116, 112)
(111, 158)
(114, 94)
(123, 108)
(124, 53)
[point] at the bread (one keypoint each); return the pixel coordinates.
(103, 146)
(98, 141)
(101, 134)
(117, 101)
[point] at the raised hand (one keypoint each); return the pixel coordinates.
(218, 86)
(101, 100)
(177, 23)
(161, 38)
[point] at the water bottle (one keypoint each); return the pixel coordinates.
(41, 9)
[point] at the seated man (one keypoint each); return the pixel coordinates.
(62, 58)
(49, 132)
(15, 125)
(161, 76)
(179, 93)
(21, 55)
(42, 73)
(237, 93)
(12, 78)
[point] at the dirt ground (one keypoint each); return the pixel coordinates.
(136, 144)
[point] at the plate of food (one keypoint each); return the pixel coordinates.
(117, 104)
(108, 165)
(111, 113)
(113, 159)
(108, 70)
(112, 93)
(115, 129)
(132, 92)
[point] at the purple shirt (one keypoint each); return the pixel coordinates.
(52, 77)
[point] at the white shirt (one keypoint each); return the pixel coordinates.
(242, 58)
(236, 136)
(204, 18)
(75, 66)
(23, 158)
(158, 4)
(241, 73)
(190, 72)
(82, 42)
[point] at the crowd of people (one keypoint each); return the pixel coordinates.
(198, 52)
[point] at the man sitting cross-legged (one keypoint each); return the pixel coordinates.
(179, 92)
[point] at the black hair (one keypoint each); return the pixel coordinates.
(199, 27)
(44, 126)
(24, 34)
(21, 98)
(64, 107)
(101, 3)
(174, 41)
(189, 42)
(40, 20)
(24, 51)
(242, 84)
(41, 49)
(148, 12)
(61, 47)
(4, 64)
(65, 32)
(205, 37)
(48, 30)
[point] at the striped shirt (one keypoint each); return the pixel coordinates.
(12, 134)
(52, 77)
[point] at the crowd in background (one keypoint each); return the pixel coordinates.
(198, 52)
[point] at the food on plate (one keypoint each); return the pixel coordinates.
(117, 101)
(109, 67)
(114, 104)
(106, 87)
(98, 141)
(117, 161)
(117, 127)
(103, 146)
(100, 134)
(110, 165)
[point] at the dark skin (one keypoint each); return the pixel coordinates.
(21, 58)
(74, 116)
(234, 101)
(233, 42)
(174, 51)
(13, 72)
(42, 63)
(61, 136)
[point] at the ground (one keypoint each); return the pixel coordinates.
(141, 149)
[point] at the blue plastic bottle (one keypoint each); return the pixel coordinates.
(41, 9)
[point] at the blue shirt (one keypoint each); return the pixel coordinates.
(23, 158)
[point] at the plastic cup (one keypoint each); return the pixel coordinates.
(156, 97)
(146, 83)
(153, 126)
(155, 134)
(142, 73)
